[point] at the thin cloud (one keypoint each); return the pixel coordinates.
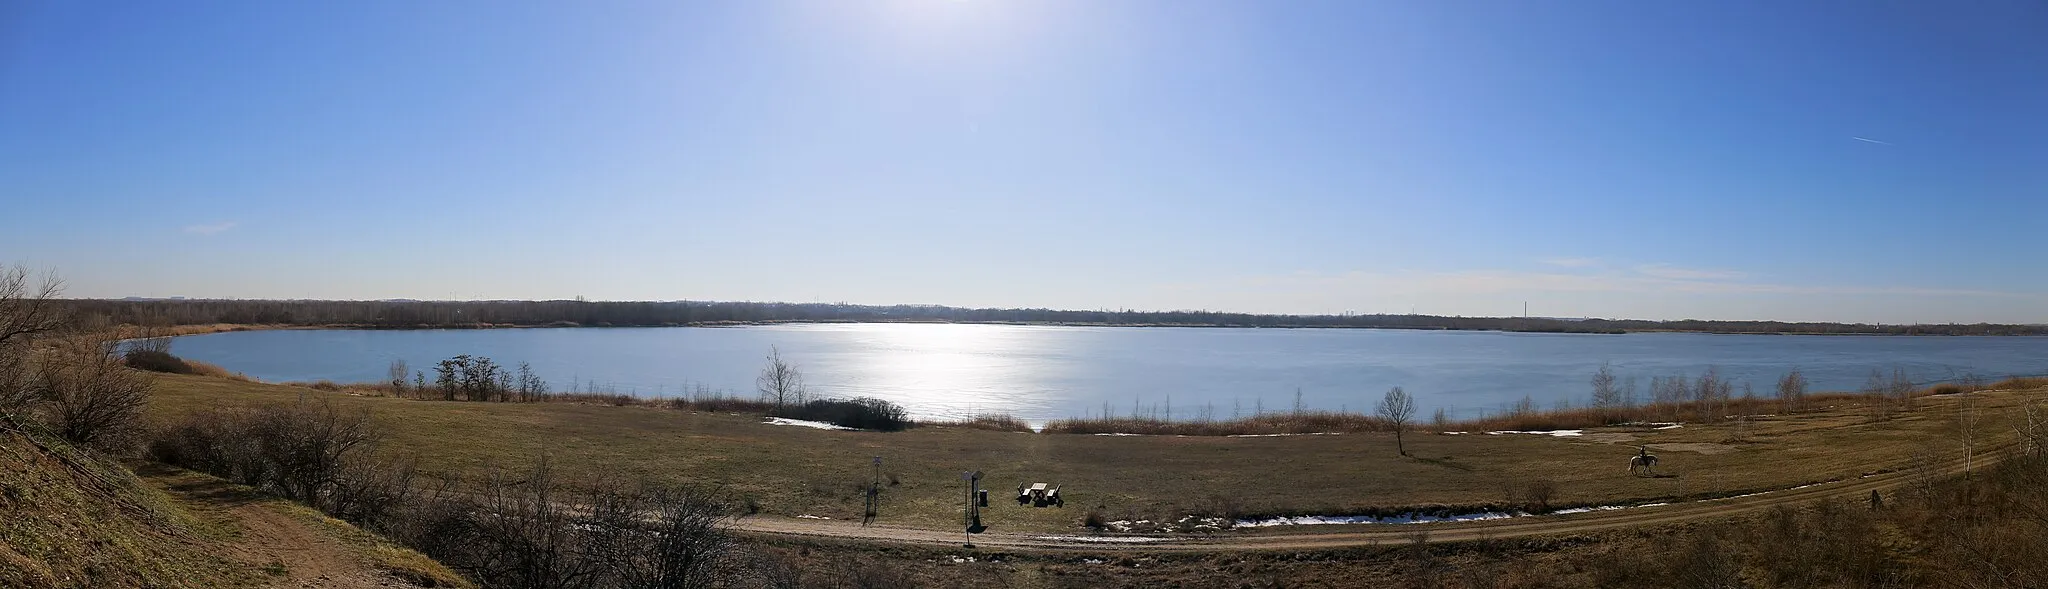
(1677, 273)
(1571, 262)
(1869, 140)
(210, 229)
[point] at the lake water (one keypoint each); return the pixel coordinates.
(1045, 372)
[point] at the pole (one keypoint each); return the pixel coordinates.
(874, 495)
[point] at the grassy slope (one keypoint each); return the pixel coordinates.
(792, 471)
(238, 512)
(71, 520)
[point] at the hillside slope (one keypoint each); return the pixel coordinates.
(73, 519)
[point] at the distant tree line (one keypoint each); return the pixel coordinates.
(463, 314)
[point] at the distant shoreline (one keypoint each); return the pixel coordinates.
(503, 314)
(184, 330)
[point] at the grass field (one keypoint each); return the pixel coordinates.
(793, 471)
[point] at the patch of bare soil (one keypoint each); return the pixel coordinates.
(265, 533)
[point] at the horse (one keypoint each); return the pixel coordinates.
(1646, 462)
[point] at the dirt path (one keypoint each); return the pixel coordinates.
(1339, 536)
(270, 534)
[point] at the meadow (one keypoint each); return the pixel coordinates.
(792, 471)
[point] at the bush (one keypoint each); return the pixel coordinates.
(859, 413)
(157, 361)
(312, 452)
(92, 400)
(528, 529)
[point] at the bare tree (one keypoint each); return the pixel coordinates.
(1877, 391)
(1605, 394)
(28, 307)
(1901, 388)
(1440, 421)
(27, 310)
(397, 374)
(1792, 391)
(1711, 393)
(780, 381)
(1398, 409)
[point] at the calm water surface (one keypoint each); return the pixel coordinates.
(1042, 372)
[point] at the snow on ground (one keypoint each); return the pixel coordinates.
(1561, 433)
(1672, 426)
(1119, 434)
(1105, 539)
(1411, 518)
(799, 422)
(1283, 435)
(809, 516)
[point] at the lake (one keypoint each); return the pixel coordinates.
(1048, 372)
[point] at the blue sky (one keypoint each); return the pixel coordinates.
(1849, 161)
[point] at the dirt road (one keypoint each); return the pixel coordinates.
(1339, 536)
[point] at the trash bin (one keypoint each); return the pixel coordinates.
(981, 497)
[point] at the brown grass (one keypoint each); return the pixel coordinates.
(214, 370)
(2020, 383)
(801, 471)
(997, 422)
(1304, 422)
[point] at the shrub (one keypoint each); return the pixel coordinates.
(157, 361)
(92, 400)
(859, 413)
(308, 451)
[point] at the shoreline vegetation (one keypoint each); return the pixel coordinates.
(194, 316)
(1668, 401)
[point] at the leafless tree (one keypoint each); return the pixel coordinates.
(781, 382)
(27, 311)
(1792, 391)
(1605, 394)
(1398, 409)
(1440, 421)
(28, 307)
(1711, 392)
(1901, 388)
(1877, 392)
(397, 375)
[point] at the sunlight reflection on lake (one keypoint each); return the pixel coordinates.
(1045, 372)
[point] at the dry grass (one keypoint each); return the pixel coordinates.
(214, 370)
(998, 422)
(801, 471)
(74, 519)
(2020, 383)
(1304, 422)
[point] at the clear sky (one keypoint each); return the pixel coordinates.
(1849, 161)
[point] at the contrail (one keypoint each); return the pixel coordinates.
(1869, 140)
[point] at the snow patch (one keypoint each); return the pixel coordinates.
(1410, 518)
(1283, 435)
(1672, 426)
(1105, 539)
(1119, 434)
(803, 423)
(1559, 433)
(809, 516)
